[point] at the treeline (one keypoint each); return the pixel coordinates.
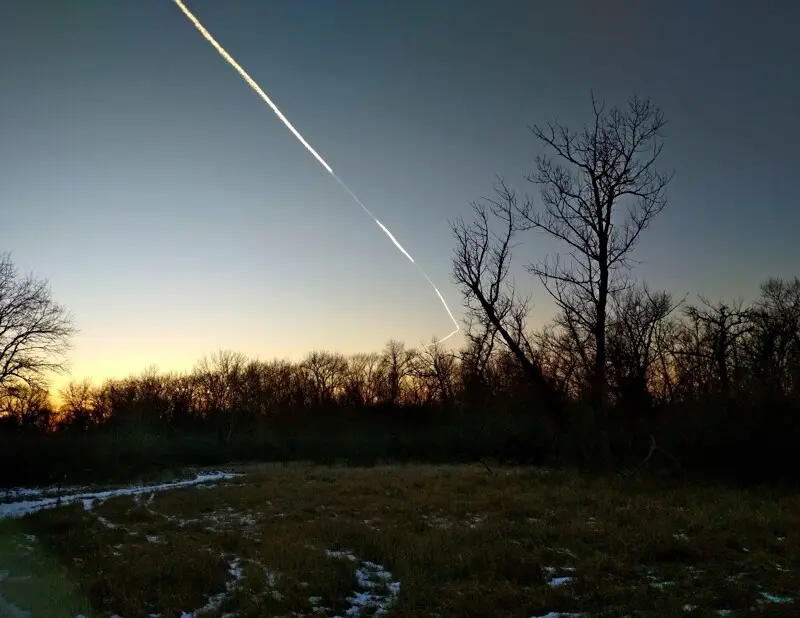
(623, 379)
(716, 385)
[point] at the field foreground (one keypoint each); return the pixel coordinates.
(405, 541)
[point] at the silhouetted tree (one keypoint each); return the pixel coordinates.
(480, 336)
(363, 380)
(395, 366)
(35, 331)
(599, 193)
(27, 407)
(326, 374)
(774, 345)
(77, 404)
(638, 321)
(436, 369)
(219, 378)
(481, 263)
(711, 351)
(562, 360)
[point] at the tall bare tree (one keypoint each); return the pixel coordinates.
(599, 191)
(481, 267)
(35, 331)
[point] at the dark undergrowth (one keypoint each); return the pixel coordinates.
(759, 448)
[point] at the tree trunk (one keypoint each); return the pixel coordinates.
(598, 395)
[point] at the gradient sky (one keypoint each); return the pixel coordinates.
(175, 215)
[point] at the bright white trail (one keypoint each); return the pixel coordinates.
(252, 83)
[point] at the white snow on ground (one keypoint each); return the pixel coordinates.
(437, 521)
(341, 554)
(236, 572)
(555, 582)
(558, 581)
(18, 509)
(15, 493)
(766, 597)
(440, 522)
(378, 592)
(660, 585)
(562, 550)
(220, 520)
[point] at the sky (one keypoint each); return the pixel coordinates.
(175, 215)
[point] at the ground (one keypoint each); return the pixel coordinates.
(403, 541)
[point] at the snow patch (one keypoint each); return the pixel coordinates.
(237, 573)
(13, 494)
(378, 592)
(557, 581)
(341, 554)
(766, 597)
(659, 584)
(474, 521)
(19, 509)
(437, 521)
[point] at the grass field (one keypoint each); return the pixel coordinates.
(406, 541)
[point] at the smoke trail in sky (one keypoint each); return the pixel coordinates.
(252, 83)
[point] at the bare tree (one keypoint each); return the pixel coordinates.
(220, 379)
(774, 347)
(35, 331)
(77, 404)
(285, 386)
(639, 320)
(481, 265)
(395, 366)
(480, 337)
(27, 407)
(180, 389)
(599, 193)
(362, 385)
(712, 344)
(562, 359)
(437, 369)
(326, 373)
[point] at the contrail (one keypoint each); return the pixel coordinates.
(252, 83)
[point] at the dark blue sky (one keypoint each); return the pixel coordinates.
(175, 214)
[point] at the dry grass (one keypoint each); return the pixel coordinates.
(461, 543)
